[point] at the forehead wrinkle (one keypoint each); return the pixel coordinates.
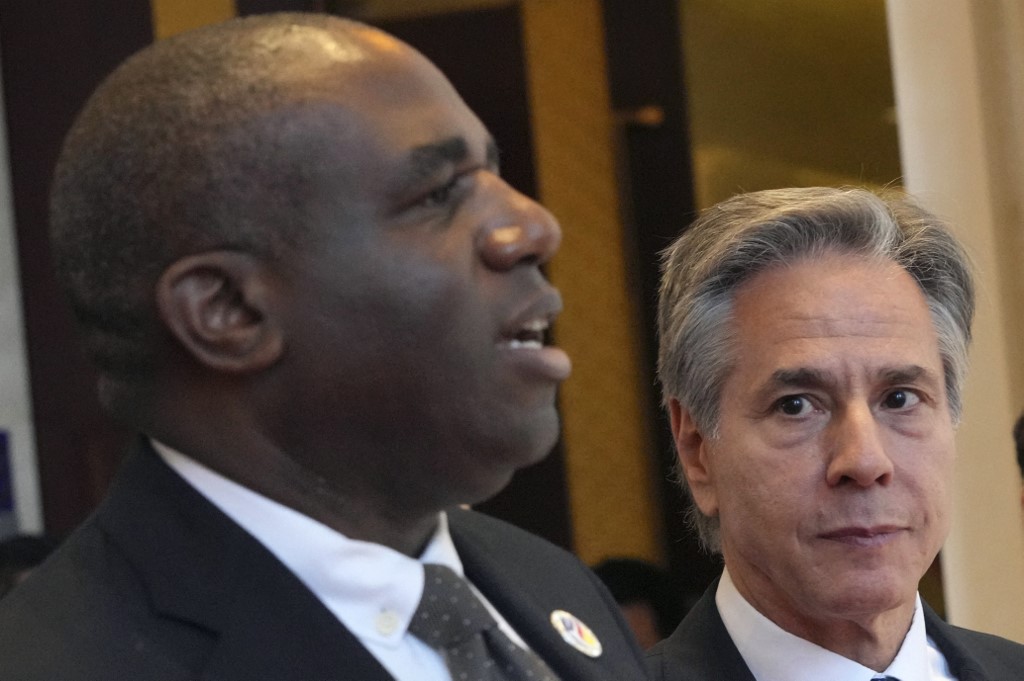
(830, 326)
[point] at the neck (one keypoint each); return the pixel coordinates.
(356, 515)
(873, 644)
(271, 473)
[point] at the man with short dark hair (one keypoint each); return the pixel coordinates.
(813, 348)
(306, 284)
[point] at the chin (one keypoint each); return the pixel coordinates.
(538, 447)
(870, 595)
(546, 428)
(506, 458)
(522, 438)
(527, 454)
(460, 489)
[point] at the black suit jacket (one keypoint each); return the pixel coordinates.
(160, 585)
(701, 649)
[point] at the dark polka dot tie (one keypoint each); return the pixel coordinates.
(452, 619)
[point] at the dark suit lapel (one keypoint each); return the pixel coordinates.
(700, 648)
(205, 574)
(494, 574)
(277, 630)
(961, 663)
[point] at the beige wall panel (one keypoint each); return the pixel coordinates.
(176, 16)
(947, 141)
(605, 408)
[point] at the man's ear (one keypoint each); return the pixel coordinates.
(692, 450)
(218, 306)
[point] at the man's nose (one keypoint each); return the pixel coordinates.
(858, 453)
(521, 232)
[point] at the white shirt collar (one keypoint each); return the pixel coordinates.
(773, 654)
(372, 589)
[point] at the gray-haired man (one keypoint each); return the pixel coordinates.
(813, 348)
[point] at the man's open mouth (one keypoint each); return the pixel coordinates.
(532, 335)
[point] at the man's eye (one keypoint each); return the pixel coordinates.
(441, 195)
(794, 405)
(900, 399)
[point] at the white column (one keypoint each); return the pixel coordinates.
(957, 102)
(15, 401)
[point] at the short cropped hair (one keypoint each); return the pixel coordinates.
(749, 233)
(177, 153)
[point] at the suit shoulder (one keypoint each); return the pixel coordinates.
(1000, 657)
(675, 657)
(502, 538)
(79, 615)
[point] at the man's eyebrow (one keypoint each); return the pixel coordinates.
(425, 160)
(801, 377)
(804, 377)
(911, 373)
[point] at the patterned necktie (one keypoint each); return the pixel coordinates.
(452, 619)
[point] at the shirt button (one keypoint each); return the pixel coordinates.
(387, 623)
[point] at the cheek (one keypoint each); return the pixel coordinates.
(941, 498)
(927, 476)
(421, 309)
(762, 492)
(744, 482)
(934, 465)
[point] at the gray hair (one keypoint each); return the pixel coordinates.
(749, 233)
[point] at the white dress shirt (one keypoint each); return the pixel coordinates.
(372, 590)
(773, 654)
